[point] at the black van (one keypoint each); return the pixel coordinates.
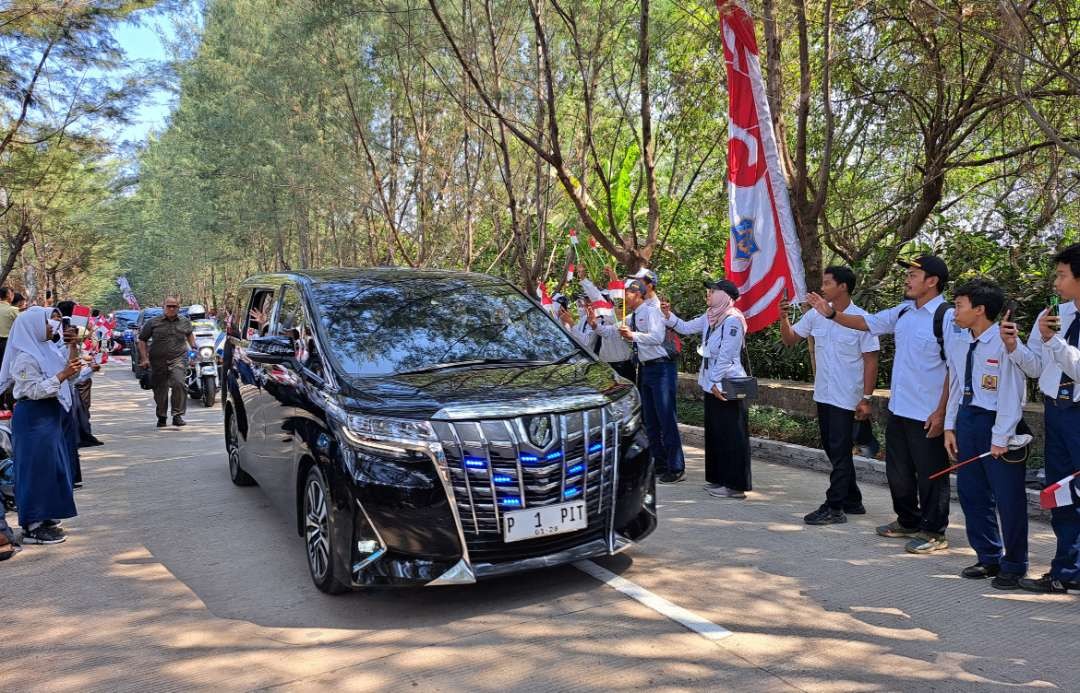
(430, 427)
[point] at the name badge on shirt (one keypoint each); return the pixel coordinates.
(990, 382)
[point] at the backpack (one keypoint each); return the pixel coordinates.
(939, 324)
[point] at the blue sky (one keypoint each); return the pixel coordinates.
(145, 48)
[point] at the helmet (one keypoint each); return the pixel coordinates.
(196, 311)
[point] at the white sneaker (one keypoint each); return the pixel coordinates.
(724, 492)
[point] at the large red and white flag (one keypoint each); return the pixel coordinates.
(763, 253)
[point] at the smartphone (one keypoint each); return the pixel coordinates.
(1054, 301)
(1012, 309)
(65, 322)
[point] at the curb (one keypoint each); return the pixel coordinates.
(866, 469)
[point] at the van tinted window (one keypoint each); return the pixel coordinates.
(395, 327)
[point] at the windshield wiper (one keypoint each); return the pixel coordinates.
(486, 362)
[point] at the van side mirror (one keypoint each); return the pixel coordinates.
(271, 349)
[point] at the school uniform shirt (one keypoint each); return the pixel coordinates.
(649, 332)
(613, 348)
(997, 384)
(918, 373)
(30, 381)
(839, 357)
(1048, 360)
(722, 346)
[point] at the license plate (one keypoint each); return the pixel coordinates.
(209, 370)
(543, 522)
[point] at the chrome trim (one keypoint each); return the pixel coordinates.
(603, 456)
(438, 458)
(468, 481)
(592, 549)
(461, 573)
(563, 459)
(517, 459)
(621, 544)
(614, 488)
(378, 537)
(491, 476)
(498, 410)
(586, 460)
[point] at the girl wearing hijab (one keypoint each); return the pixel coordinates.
(43, 489)
(727, 429)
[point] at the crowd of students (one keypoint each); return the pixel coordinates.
(45, 378)
(958, 387)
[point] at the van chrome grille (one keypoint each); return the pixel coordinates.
(495, 466)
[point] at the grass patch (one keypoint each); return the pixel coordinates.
(765, 422)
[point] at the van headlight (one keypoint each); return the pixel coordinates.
(627, 411)
(385, 435)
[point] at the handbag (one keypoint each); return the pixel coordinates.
(741, 387)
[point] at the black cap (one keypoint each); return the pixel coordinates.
(725, 285)
(637, 286)
(932, 265)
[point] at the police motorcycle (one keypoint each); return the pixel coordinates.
(204, 364)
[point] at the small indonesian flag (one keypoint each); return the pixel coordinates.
(604, 309)
(592, 242)
(570, 272)
(617, 288)
(1060, 494)
(545, 298)
(80, 316)
(573, 237)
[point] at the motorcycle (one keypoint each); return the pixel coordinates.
(204, 363)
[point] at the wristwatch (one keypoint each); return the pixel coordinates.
(868, 398)
(833, 315)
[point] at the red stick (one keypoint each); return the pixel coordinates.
(958, 465)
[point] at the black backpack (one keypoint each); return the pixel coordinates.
(939, 324)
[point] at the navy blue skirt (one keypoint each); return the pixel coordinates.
(43, 469)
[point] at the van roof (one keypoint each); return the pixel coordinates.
(363, 274)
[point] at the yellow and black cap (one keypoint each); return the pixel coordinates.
(932, 265)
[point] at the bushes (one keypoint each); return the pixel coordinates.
(765, 422)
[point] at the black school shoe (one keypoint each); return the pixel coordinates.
(859, 509)
(1006, 581)
(1047, 584)
(670, 478)
(178, 421)
(43, 535)
(825, 516)
(162, 422)
(981, 571)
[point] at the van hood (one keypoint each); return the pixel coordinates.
(486, 391)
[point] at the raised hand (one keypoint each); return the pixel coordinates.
(665, 307)
(1009, 332)
(818, 303)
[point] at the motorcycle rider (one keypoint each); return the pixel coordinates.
(163, 348)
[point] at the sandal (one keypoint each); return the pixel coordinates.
(7, 548)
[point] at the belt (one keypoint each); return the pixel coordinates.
(662, 359)
(1060, 404)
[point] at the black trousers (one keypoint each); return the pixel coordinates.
(727, 443)
(910, 459)
(625, 368)
(168, 379)
(836, 426)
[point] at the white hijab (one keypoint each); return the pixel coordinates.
(27, 336)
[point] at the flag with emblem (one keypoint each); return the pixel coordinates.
(763, 253)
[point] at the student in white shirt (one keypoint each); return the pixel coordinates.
(1053, 357)
(646, 332)
(846, 372)
(727, 427)
(914, 441)
(986, 402)
(614, 350)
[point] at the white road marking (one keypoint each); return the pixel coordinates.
(700, 625)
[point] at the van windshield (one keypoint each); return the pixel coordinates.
(417, 324)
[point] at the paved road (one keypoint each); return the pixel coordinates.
(174, 579)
